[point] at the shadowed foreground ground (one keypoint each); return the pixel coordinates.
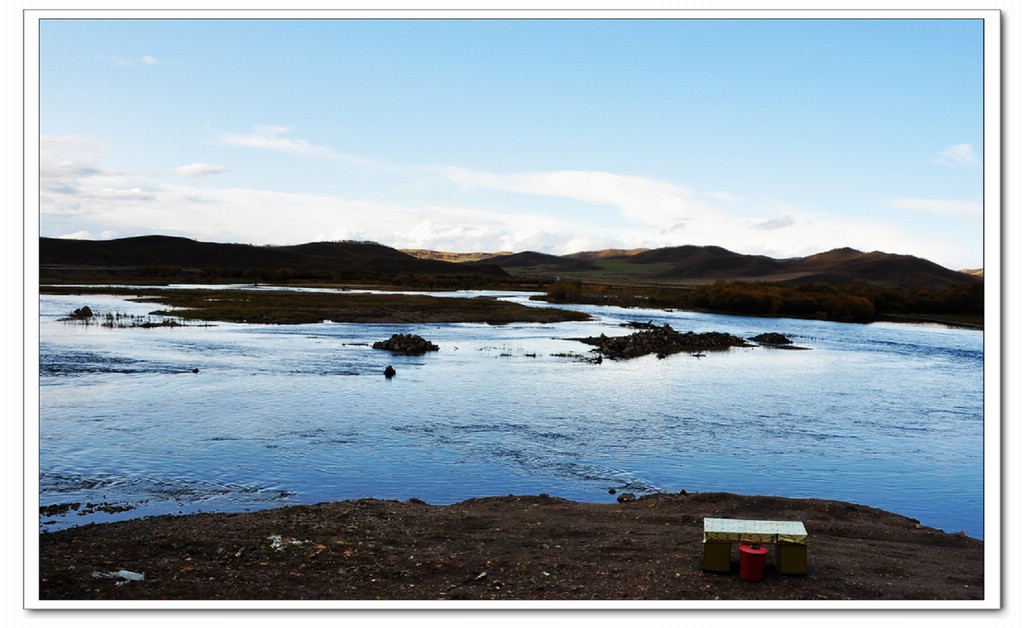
(507, 548)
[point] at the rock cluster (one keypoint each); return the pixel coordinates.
(406, 344)
(772, 338)
(82, 312)
(662, 341)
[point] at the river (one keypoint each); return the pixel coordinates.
(231, 417)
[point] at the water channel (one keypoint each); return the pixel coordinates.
(887, 415)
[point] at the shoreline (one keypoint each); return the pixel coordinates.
(504, 548)
(911, 319)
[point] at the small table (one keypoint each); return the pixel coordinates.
(788, 537)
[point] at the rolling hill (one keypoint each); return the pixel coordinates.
(695, 265)
(709, 262)
(680, 265)
(166, 255)
(541, 263)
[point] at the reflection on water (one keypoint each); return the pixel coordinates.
(885, 415)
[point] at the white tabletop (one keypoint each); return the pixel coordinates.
(754, 531)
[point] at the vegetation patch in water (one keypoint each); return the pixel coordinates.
(119, 320)
(290, 307)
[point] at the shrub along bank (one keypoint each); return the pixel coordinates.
(855, 302)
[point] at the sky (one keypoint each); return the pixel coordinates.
(779, 137)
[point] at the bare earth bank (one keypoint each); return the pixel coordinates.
(504, 548)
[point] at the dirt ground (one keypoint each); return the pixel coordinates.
(503, 548)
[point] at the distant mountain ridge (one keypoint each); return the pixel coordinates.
(446, 256)
(592, 256)
(541, 262)
(679, 264)
(700, 264)
(709, 262)
(345, 259)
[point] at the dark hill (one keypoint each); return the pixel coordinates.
(541, 262)
(343, 250)
(593, 256)
(708, 262)
(320, 259)
(156, 250)
(885, 269)
(374, 257)
(826, 259)
(838, 266)
(187, 259)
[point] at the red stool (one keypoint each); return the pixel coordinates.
(752, 562)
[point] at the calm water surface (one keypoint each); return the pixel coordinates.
(887, 415)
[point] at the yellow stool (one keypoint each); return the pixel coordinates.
(791, 559)
(717, 556)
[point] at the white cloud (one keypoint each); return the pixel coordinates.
(269, 137)
(774, 223)
(71, 180)
(724, 196)
(639, 199)
(68, 152)
(658, 213)
(953, 209)
(460, 228)
(199, 170)
(88, 235)
(77, 235)
(957, 156)
(79, 196)
(127, 62)
(272, 138)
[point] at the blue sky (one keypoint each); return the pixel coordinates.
(779, 137)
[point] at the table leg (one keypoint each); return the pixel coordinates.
(791, 558)
(717, 556)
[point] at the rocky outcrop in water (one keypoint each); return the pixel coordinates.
(662, 341)
(406, 344)
(772, 338)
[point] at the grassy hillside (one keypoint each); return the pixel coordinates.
(170, 259)
(702, 265)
